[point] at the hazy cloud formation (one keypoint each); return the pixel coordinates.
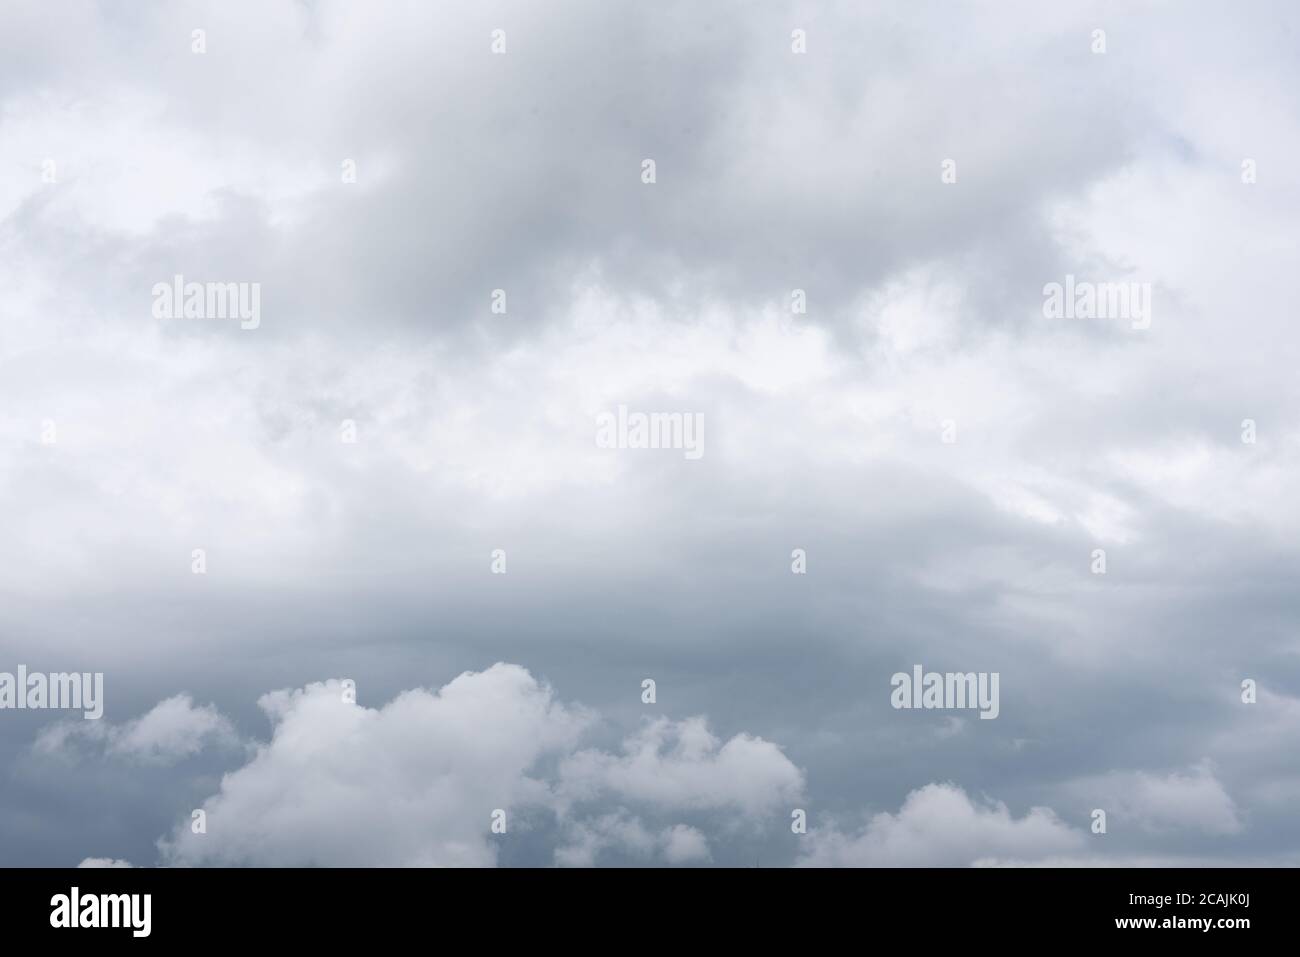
(172, 730)
(392, 478)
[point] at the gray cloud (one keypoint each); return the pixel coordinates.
(475, 431)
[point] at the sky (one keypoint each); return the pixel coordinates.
(369, 584)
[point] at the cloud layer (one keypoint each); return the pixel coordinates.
(947, 456)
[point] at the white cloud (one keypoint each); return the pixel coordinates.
(172, 730)
(940, 826)
(1194, 800)
(415, 781)
(620, 830)
(684, 845)
(627, 834)
(412, 783)
(105, 862)
(682, 764)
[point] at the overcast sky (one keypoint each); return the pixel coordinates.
(948, 456)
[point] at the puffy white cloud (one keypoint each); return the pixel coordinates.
(1192, 800)
(682, 764)
(411, 783)
(684, 844)
(940, 826)
(619, 830)
(415, 781)
(105, 862)
(175, 728)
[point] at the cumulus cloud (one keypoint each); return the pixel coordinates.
(1191, 800)
(627, 834)
(104, 862)
(620, 831)
(416, 781)
(413, 782)
(683, 764)
(174, 729)
(939, 825)
(685, 845)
